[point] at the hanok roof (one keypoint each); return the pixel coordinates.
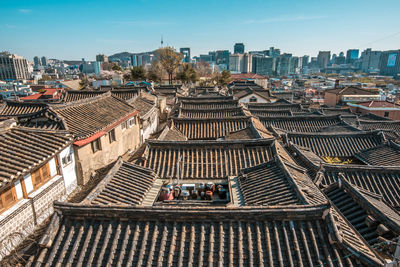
(125, 184)
(304, 124)
(278, 182)
(220, 104)
(22, 150)
(271, 113)
(265, 94)
(384, 181)
(366, 211)
(143, 105)
(110, 236)
(85, 117)
(211, 113)
(339, 145)
(350, 91)
(383, 155)
(212, 128)
(336, 111)
(172, 134)
(75, 95)
(14, 109)
(206, 159)
(204, 99)
(253, 107)
(379, 125)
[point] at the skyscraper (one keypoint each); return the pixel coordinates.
(36, 61)
(351, 56)
(323, 59)
(185, 51)
(44, 61)
(370, 60)
(238, 48)
(101, 58)
(390, 62)
(13, 67)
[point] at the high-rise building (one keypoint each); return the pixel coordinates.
(222, 57)
(340, 59)
(206, 58)
(36, 61)
(283, 63)
(390, 63)
(247, 63)
(101, 58)
(213, 55)
(323, 59)
(185, 51)
(351, 56)
(235, 63)
(263, 65)
(44, 61)
(304, 61)
(238, 48)
(370, 60)
(13, 67)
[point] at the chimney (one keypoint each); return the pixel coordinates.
(336, 83)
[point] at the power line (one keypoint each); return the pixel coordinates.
(381, 39)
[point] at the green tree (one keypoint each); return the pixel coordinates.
(138, 73)
(169, 60)
(116, 68)
(186, 74)
(224, 78)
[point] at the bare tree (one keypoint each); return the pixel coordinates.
(169, 60)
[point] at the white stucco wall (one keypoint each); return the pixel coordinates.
(246, 99)
(68, 170)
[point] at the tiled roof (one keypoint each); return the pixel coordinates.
(125, 184)
(14, 109)
(126, 94)
(270, 113)
(383, 155)
(336, 111)
(206, 159)
(209, 128)
(381, 181)
(222, 104)
(85, 117)
(172, 134)
(44, 119)
(341, 145)
(304, 124)
(197, 237)
(278, 182)
(210, 113)
(350, 91)
(253, 107)
(366, 211)
(379, 125)
(143, 105)
(75, 95)
(205, 99)
(22, 150)
(243, 134)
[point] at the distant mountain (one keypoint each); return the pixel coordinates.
(120, 55)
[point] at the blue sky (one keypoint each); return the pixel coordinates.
(81, 29)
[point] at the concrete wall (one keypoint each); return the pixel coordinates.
(87, 161)
(68, 170)
(150, 125)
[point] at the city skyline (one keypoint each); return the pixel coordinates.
(64, 30)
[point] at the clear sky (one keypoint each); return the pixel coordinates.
(81, 29)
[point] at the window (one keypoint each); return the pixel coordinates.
(96, 145)
(386, 114)
(7, 198)
(40, 176)
(66, 160)
(124, 125)
(111, 135)
(253, 99)
(132, 122)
